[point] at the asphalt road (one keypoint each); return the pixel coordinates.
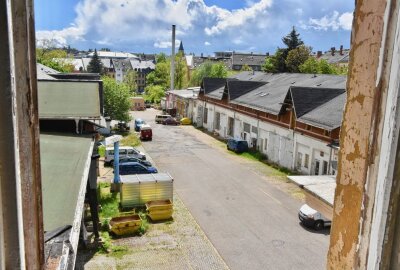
(251, 223)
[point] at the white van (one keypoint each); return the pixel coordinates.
(124, 151)
(310, 217)
(161, 117)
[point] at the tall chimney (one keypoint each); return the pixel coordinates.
(172, 86)
(319, 54)
(341, 49)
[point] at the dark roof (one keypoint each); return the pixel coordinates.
(248, 59)
(236, 88)
(211, 84)
(306, 99)
(327, 116)
(270, 97)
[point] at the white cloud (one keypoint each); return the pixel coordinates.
(334, 22)
(166, 44)
(238, 17)
(207, 43)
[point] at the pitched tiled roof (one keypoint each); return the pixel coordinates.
(327, 116)
(306, 99)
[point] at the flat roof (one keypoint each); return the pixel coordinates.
(321, 186)
(65, 161)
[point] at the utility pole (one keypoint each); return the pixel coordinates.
(173, 59)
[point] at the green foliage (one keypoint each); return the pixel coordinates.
(102, 151)
(160, 76)
(154, 93)
(130, 140)
(292, 40)
(130, 81)
(180, 80)
(109, 203)
(161, 58)
(297, 57)
(116, 99)
(208, 69)
(321, 66)
(277, 62)
(95, 65)
(50, 57)
(246, 67)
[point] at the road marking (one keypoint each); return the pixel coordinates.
(269, 195)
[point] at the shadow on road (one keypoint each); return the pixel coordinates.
(325, 231)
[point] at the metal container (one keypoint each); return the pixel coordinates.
(138, 189)
(159, 210)
(125, 224)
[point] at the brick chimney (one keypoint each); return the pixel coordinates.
(341, 50)
(333, 51)
(319, 54)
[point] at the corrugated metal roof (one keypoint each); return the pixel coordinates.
(44, 72)
(64, 165)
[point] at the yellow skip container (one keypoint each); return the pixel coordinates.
(125, 224)
(159, 210)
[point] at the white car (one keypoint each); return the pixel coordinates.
(310, 217)
(124, 151)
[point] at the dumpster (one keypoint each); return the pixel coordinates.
(159, 210)
(138, 189)
(125, 225)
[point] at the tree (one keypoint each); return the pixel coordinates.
(161, 58)
(180, 80)
(208, 69)
(130, 81)
(160, 75)
(321, 66)
(246, 67)
(277, 62)
(117, 101)
(297, 57)
(154, 93)
(49, 55)
(292, 40)
(95, 65)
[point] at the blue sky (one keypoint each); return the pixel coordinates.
(204, 26)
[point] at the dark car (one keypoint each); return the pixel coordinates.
(134, 159)
(135, 168)
(138, 123)
(237, 145)
(171, 121)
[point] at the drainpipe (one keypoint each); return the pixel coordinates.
(258, 133)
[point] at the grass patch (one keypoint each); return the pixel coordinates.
(253, 156)
(109, 202)
(102, 151)
(131, 139)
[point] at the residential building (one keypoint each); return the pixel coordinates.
(255, 61)
(278, 114)
(182, 101)
(333, 56)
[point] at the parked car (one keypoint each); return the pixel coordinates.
(138, 123)
(124, 151)
(161, 117)
(186, 121)
(123, 126)
(146, 133)
(171, 121)
(237, 145)
(135, 168)
(134, 159)
(310, 217)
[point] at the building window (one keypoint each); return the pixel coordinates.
(306, 160)
(246, 127)
(316, 169)
(254, 129)
(325, 167)
(217, 120)
(205, 115)
(244, 136)
(321, 154)
(265, 144)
